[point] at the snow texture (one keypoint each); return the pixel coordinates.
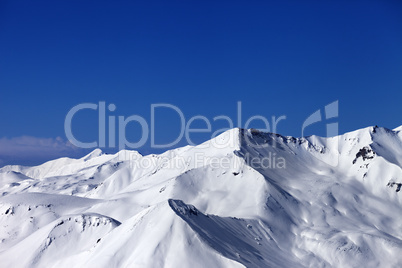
(325, 202)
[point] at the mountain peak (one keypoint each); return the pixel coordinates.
(398, 128)
(95, 153)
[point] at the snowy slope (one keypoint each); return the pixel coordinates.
(243, 199)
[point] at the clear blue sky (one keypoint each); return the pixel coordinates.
(277, 57)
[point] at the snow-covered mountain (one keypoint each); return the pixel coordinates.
(242, 199)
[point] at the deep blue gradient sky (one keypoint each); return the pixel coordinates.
(276, 57)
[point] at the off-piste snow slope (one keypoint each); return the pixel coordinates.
(243, 199)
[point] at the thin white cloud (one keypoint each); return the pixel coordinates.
(28, 149)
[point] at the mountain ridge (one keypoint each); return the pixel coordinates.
(334, 202)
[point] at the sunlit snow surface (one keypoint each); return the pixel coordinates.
(333, 202)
